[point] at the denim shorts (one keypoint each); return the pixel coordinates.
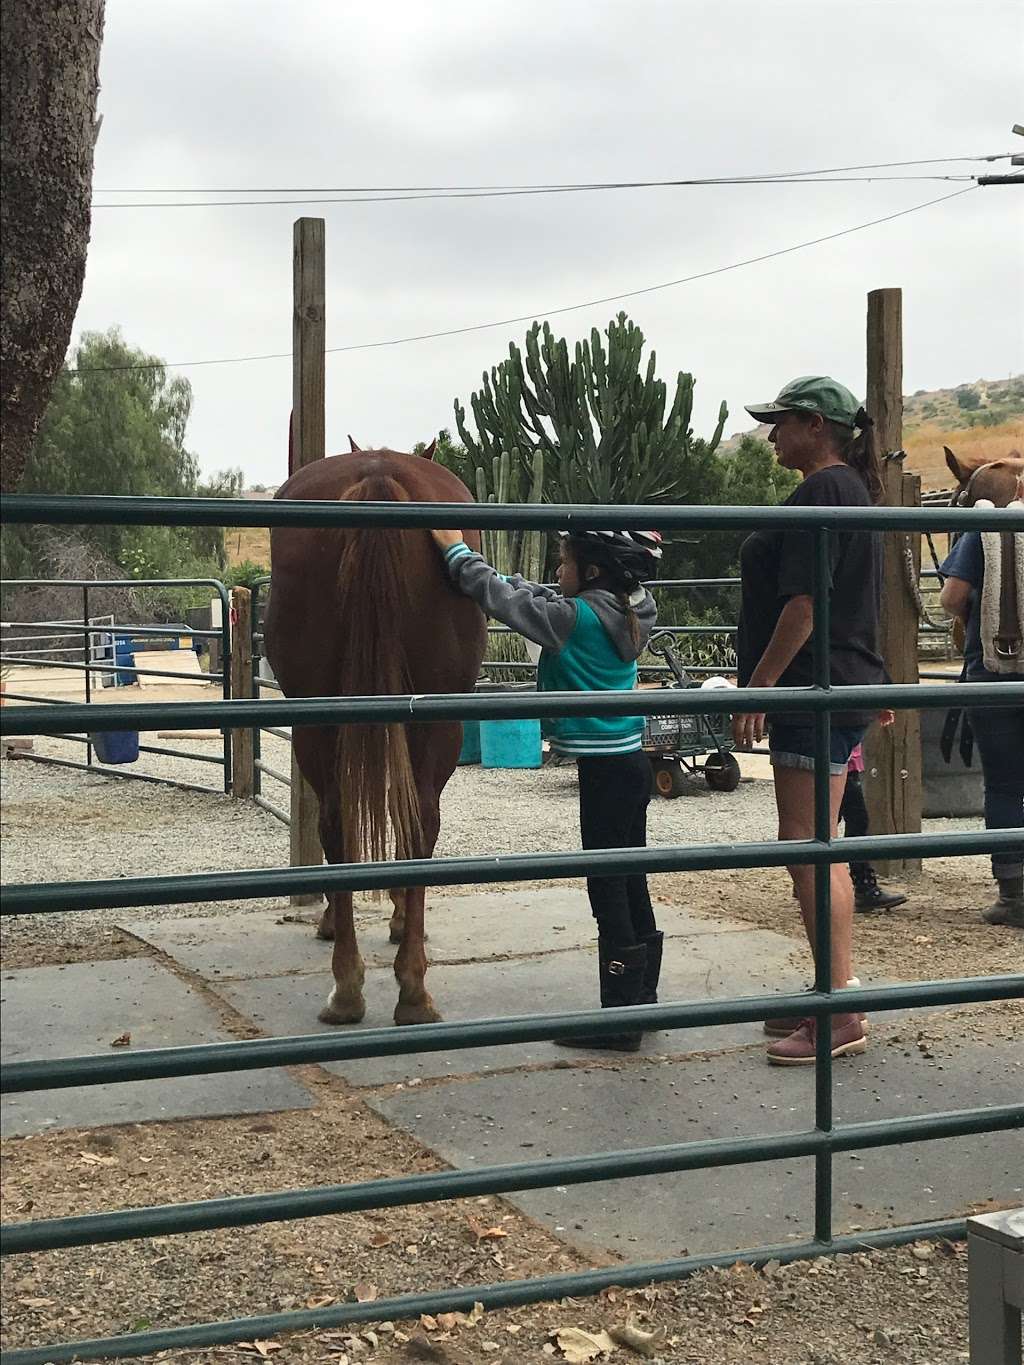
(792, 745)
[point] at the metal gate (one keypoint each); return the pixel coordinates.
(820, 1140)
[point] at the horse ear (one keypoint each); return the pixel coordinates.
(953, 464)
(352, 446)
(428, 452)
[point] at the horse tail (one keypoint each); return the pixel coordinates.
(373, 766)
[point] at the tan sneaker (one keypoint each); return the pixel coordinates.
(799, 1049)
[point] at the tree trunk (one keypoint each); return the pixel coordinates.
(49, 81)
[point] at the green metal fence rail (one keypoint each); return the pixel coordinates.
(820, 1142)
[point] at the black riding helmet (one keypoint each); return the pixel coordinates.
(630, 556)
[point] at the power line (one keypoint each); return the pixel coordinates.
(565, 185)
(546, 312)
(522, 193)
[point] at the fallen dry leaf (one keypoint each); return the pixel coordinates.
(262, 1348)
(380, 1239)
(320, 1301)
(122, 1040)
(93, 1159)
(35, 1303)
(643, 1343)
(482, 1233)
(365, 1292)
(428, 1323)
(578, 1346)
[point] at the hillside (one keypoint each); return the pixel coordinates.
(985, 418)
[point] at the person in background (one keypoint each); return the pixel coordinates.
(591, 633)
(868, 895)
(820, 430)
(994, 652)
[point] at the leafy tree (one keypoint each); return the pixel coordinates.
(967, 399)
(120, 429)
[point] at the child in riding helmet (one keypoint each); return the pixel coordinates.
(591, 634)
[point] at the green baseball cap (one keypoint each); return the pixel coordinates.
(811, 393)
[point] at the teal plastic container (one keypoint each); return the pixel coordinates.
(510, 744)
(470, 751)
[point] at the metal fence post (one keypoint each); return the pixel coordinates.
(822, 886)
(241, 686)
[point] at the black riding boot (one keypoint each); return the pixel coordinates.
(622, 977)
(652, 967)
(867, 894)
(1009, 908)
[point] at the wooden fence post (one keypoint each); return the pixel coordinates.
(893, 755)
(307, 443)
(243, 775)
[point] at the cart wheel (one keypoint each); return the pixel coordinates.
(668, 778)
(721, 772)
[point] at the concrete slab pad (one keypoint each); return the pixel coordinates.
(590, 1109)
(81, 1008)
(483, 925)
(702, 967)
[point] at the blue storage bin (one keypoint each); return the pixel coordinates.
(116, 746)
(510, 744)
(470, 751)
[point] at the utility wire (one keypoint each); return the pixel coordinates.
(547, 312)
(520, 193)
(565, 185)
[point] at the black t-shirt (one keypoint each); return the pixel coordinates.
(776, 565)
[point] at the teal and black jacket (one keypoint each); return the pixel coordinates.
(585, 642)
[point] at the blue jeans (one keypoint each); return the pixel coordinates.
(999, 735)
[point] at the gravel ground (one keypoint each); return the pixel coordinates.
(131, 828)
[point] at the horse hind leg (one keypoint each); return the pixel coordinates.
(345, 1004)
(396, 925)
(414, 1003)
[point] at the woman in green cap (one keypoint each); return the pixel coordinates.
(820, 430)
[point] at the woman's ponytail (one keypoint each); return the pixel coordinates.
(859, 449)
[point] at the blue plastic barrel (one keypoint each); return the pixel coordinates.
(116, 746)
(470, 751)
(124, 657)
(510, 744)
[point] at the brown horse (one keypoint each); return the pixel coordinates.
(995, 480)
(356, 612)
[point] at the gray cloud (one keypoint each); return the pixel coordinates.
(239, 94)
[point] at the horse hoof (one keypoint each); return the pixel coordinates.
(339, 1011)
(423, 1013)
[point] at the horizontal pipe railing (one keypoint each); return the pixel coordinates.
(119, 773)
(98, 666)
(95, 510)
(246, 713)
(500, 1294)
(125, 630)
(246, 1210)
(272, 809)
(21, 898)
(254, 1054)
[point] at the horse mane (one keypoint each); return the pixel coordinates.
(372, 762)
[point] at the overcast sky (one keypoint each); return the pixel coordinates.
(222, 94)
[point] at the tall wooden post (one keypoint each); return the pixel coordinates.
(306, 444)
(242, 750)
(893, 755)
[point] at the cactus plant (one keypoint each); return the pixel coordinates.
(600, 423)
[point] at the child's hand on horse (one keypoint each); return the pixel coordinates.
(444, 540)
